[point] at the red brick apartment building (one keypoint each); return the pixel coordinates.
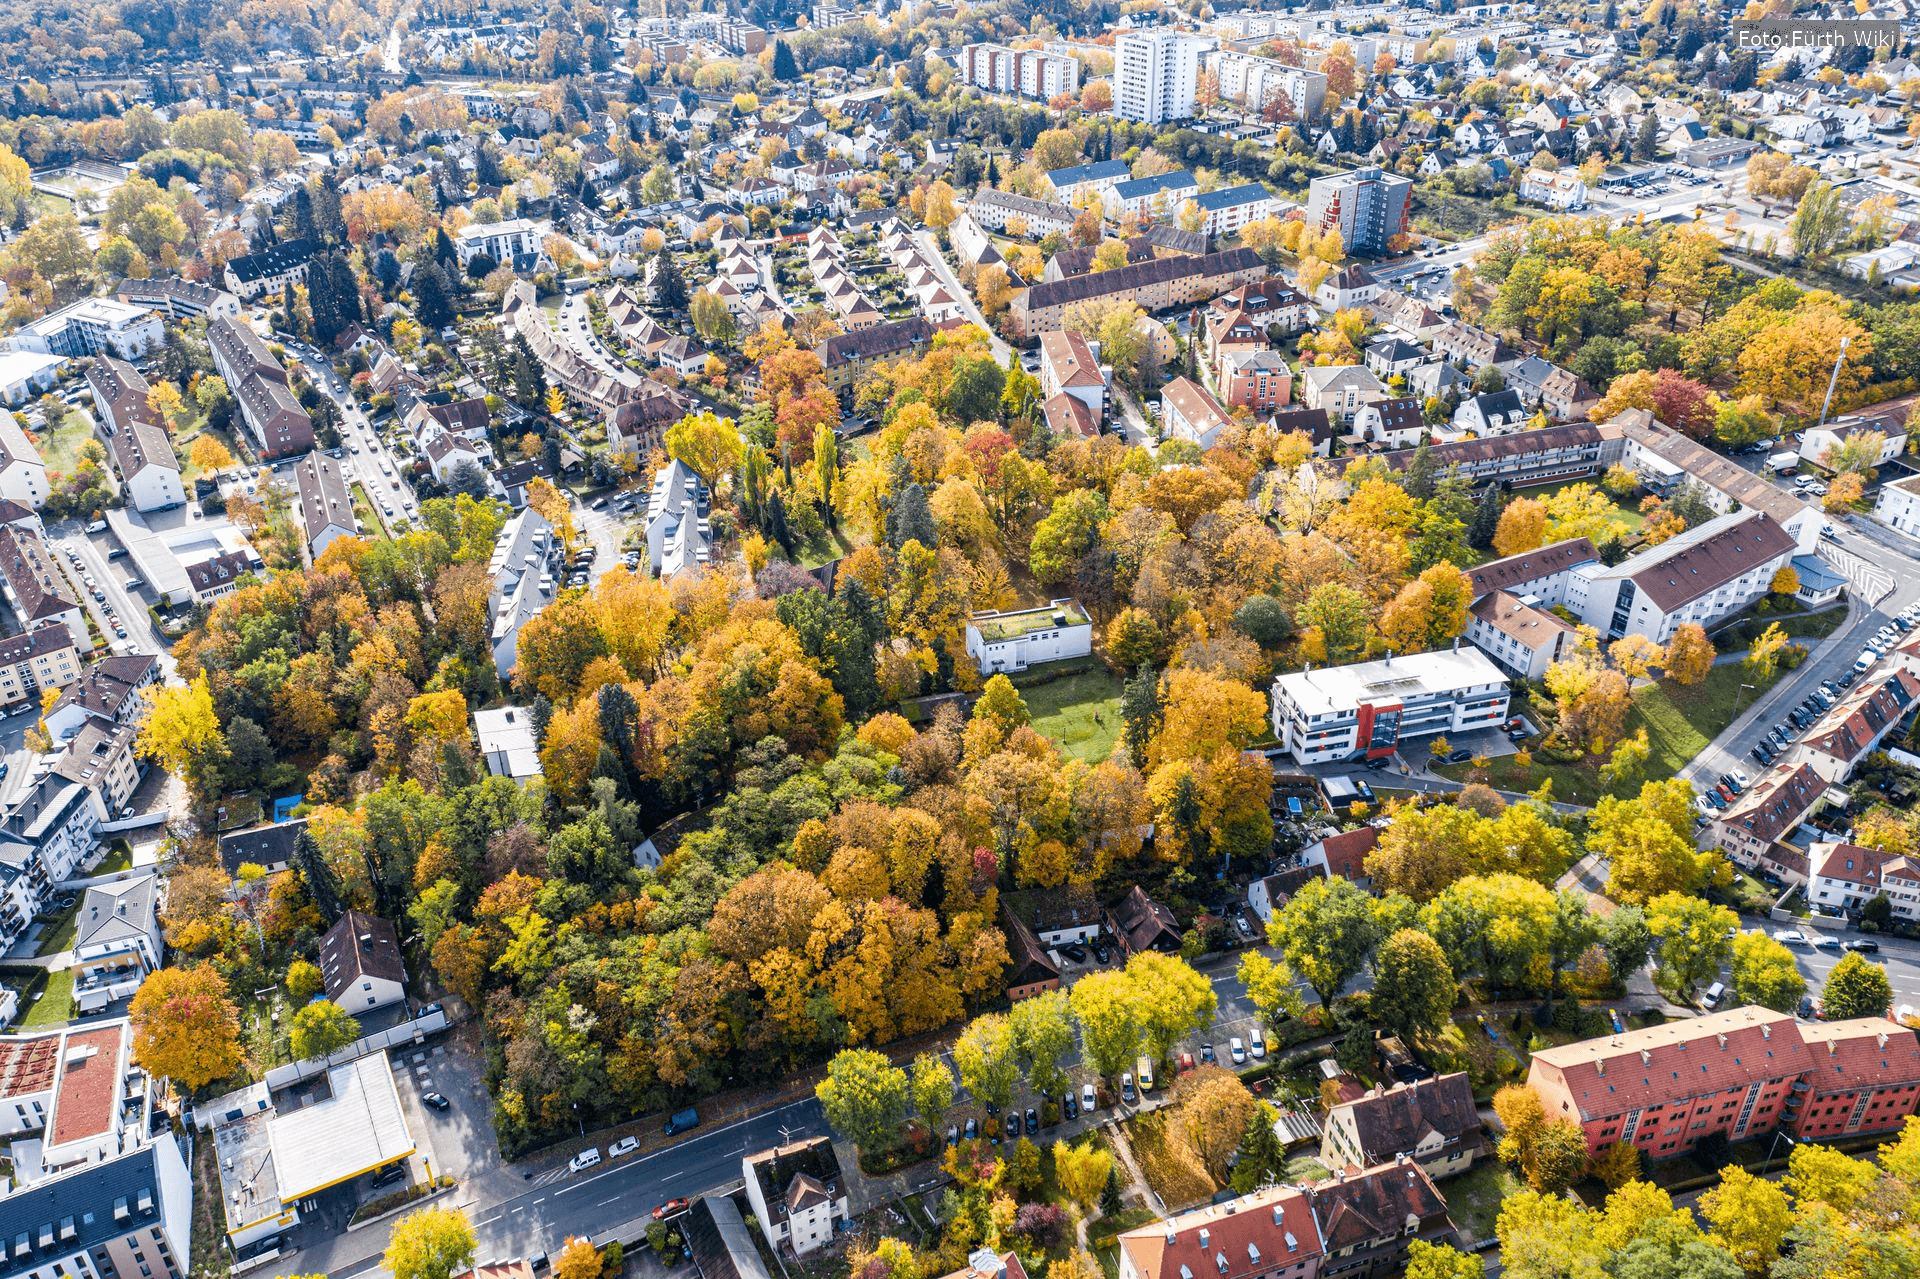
(1741, 1073)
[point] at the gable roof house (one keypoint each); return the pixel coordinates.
(360, 963)
(1432, 1120)
(678, 535)
(1140, 923)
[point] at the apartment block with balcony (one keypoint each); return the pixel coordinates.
(1370, 708)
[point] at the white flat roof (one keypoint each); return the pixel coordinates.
(358, 1128)
(18, 366)
(1337, 689)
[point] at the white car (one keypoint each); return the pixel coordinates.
(1237, 1050)
(1088, 1101)
(584, 1160)
(1257, 1043)
(624, 1146)
(1740, 777)
(1790, 937)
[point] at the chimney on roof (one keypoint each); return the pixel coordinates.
(1204, 1237)
(1646, 1058)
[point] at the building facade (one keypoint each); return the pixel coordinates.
(1369, 708)
(1368, 207)
(1155, 74)
(1013, 641)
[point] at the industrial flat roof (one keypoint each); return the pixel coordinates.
(357, 1127)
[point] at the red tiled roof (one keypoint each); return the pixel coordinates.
(1531, 566)
(1858, 724)
(1198, 1242)
(27, 1065)
(1845, 1054)
(1347, 852)
(1776, 803)
(89, 1087)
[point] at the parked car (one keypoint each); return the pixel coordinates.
(953, 1134)
(435, 1100)
(1761, 756)
(1207, 1055)
(1237, 1049)
(1074, 951)
(1257, 1043)
(1033, 1121)
(1069, 1107)
(670, 1208)
(584, 1160)
(973, 1129)
(1460, 756)
(1088, 1100)
(1826, 942)
(1790, 937)
(1864, 947)
(1186, 1062)
(624, 1146)
(387, 1176)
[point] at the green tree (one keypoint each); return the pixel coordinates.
(1327, 932)
(432, 1243)
(1820, 221)
(1691, 940)
(1766, 973)
(865, 1097)
(932, 1089)
(1441, 1261)
(1856, 987)
(1413, 986)
(1341, 614)
(1171, 999)
(1062, 539)
(1749, 1217)
(989, 1059)
(1043, 1038)
(1559, 1157)
(321, 1027)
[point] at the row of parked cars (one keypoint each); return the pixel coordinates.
(1721, 792)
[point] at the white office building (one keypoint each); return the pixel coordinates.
(1155, 74)
(1370, 708)
(515, 243)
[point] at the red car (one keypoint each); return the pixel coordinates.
(1186, 1062)
(669, 1208)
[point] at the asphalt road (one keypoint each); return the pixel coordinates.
(367, 452)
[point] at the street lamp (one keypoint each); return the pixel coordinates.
(1778, 1137)
(1742, 689)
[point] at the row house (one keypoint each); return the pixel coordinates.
(1040, 218)
(1773, 807)
(1547, 456)
(1155, 286)
(1733, 1075)
(1843, 878)
(259, 382)
(1857, 725)
(137, 439)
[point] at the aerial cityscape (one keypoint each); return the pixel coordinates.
(960, 640)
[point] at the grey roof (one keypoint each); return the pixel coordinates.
(1179, 180)
(1100, 170)
(98, 1204)
(267, 846)
(718, 1238)
(270, 261)
(110, 912)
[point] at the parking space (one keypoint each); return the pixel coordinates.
(457, 1136)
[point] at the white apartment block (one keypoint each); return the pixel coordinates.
(92, 326)
(1841, 878)
(1709, 572)
(1370, 708)
(515, 243)
(1254, 81)
(1030, 73)
(1155, 74)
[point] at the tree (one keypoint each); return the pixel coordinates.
(1558, 1157)
(1170, 998)
(1856, 987)
(1327, 932)
(1413, 986)
(185, 1026)
(1269, 987)
(1749, 1218)
(1082, 1171)
(321, 1027)
(208, 454)
(1846, 492)
(988, 1058)
(1617, 1165)
(578, 1259)
(1103, 1004)
(865, 1097)
(1690, 654)
(1766, 973)
(932, 1089)
(1691, 940)
(1819, 222)
(181, 732)
(432, 1243)
(303, 981)
(1764, 655)
(1043, 1038)
(1441, 1261)
(707, 443)
(1522, 527)
(666, 288)
(1785, 581)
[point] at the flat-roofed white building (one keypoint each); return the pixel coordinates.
(1026, 637)
(505, 734)
(1369, 708)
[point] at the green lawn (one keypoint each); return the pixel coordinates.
(364, 511)
(1680, 721)
(60, 449)
(59, 935)
(55, 1005)
(1475, 1196)
(1079, 713)
(119, 857)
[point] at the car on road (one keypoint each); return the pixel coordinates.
(1864, 947)
(435, 1100)
(671, 1207)
(1825, 942)
(1237, 1050)
(1088, 1101)
(624, 1146)
(584, 1160)
(1790, 937)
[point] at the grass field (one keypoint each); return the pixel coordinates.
(1079, 713)
(59, 935)
(55, 1005)
(1679, 721)
(1475, 1196)
(1626, 513)
(60, 449)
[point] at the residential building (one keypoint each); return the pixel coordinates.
(1777, 802)
(1433, 1121)
(993, 209)
(1258, 380)
(1191, 413)
(1031, 967)
(1342, 856)
(1155, 285)
(1737, 1075)
(1666, 460)
(1155, 197)
(23, 473)
(325, 502)
(1393, 357)
(128, 1214)
(269, 271)
(269, 847)
(717, 1236)
(678, 533)
(116, 941)
(1856, 726)
(1100, 176)
(1396, 423)
(179, 299)
(25, 374)
(1253, 82)
(1559, 191)
(1266, 897)
(1340, 389)
(522, 568)
(1817, 443)
(273, 416)
(1468, 346)
(1357, 1223)
(1155, 74)
(1843, 878)
(1368, 207)
(1069, 365)
(1015, 640)
(1347, 289)
(1139, 924)
(1897, 505)
(1369, 708)
(220, 575)
(92, 326)
(846, 357)
(34, 661)
(1030, 73)
(111, 691)
(100, 758)
(136, 437)
(360, 963)
(1264, 304)
(1709, 572)
(505, 734)
(34, 585)
(1492, 413)
(797, 1193)
(1519, 634)
(1548, 386)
